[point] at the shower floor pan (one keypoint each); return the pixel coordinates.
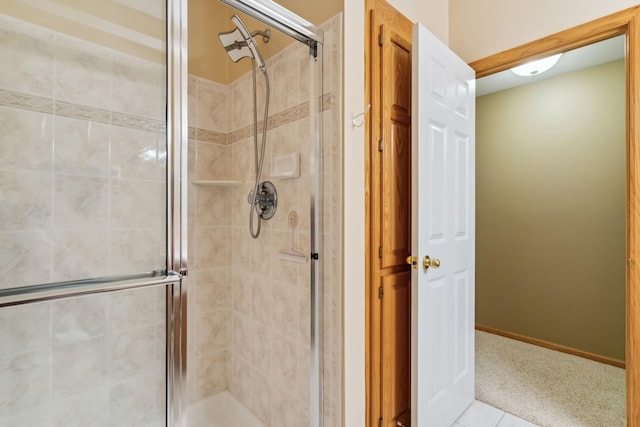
(221, 410)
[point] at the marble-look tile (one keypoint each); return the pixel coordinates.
(79, 368)
(282, 269)
(26, 200)
(304, 368)
(138, 204)
(139, 401)
(260, 397)
(192, 101)
(261, 301)
(136, 352)
(242, 159)
(138, 87)
(81, 147)
(34, 131)
(81, 202)
(28, 256)
(240, 379)
(241, 291)
(211, 289)
(213, 161)
(241, 337)
(480, 414)
(135, 251)
(260, 345)
(89, 408)
(286, 311)
(80, 254)
(212, 207)
(25, 382)
(79, 319)
(284, 362)
(212, 333)
(212, 106)
(211, 248)
(28, 52)
(207, 375)
(22, 329)
(40, 417)
(261, 251)
(159, 422)
(135, 308)
(135, 154)
(241, 246)
(284, 412)
(83, 72)
(241, 98)
(304, 314)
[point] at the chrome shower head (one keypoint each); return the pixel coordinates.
(240, 44)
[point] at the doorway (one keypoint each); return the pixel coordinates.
(551, 192)
(622, 23)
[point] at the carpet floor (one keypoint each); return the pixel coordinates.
(546, 387)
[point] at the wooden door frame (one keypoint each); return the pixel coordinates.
(626, 22)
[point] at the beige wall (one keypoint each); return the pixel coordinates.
(433, 14)
(481, 28)
(207, 18)
(551, 210)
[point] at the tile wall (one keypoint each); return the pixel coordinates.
(82, 194)
(249, 310)
(97, 360)
(82, 158)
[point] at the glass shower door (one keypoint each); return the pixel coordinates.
(85, 316)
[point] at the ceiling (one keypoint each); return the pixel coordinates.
(573, 60)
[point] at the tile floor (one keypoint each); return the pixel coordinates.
(480, 414)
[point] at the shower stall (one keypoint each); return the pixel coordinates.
(170, 212)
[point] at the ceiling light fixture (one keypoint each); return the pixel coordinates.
(534, 68)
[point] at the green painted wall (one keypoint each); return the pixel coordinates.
(551, 210)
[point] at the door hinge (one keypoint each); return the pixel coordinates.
(380, 422)
(379, 251)
(380, 39)
(381, 145)
(380, 292)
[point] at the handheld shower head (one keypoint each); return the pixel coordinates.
(240, 44)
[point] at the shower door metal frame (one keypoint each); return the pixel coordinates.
(287, 22)
(174, 277)
(177, 149)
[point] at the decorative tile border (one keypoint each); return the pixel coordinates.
(76, 111)
(210, 136)
(135, 122)
(26, 102)
(282, 118)
(66, 109)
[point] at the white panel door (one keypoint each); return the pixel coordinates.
(443, 228)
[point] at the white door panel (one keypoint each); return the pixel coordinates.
(443, 211)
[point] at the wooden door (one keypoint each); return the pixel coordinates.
(389, 217)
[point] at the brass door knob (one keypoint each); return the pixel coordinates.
(430, 262)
